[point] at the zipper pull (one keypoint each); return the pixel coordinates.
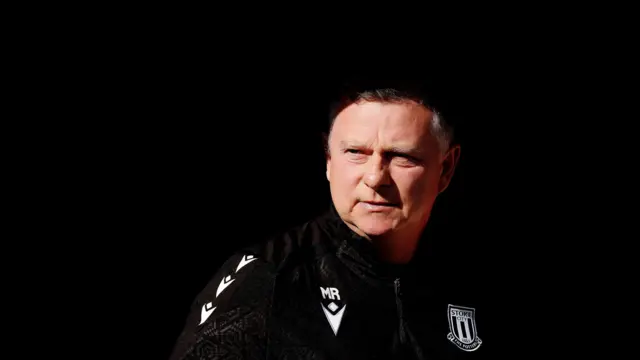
(396, 283)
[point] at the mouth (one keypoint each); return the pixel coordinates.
(382, 203)
(379, 205)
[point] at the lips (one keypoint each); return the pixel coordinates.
(378, 205)
(381, 203)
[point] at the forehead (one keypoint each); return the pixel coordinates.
(386, 123)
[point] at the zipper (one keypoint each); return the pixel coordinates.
(399, 310)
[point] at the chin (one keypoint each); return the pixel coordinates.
(375, 227)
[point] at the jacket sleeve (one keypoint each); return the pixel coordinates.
(228, 319)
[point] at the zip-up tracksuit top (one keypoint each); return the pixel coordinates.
(318, 292)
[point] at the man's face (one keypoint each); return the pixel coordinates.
(385, 168)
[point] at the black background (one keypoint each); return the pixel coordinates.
(225, 163)
(138, 148)
(194, 162)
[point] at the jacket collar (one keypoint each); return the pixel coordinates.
(425, 275)
(358, 253)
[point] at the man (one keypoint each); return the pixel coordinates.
(343, 285)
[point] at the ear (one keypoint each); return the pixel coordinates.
(327, 155)
(328, 168)
(449, 164)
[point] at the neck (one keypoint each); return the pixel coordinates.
(396, 248)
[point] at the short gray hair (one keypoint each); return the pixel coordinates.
(396, 94)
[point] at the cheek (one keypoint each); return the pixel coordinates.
(345, 173)
(416, 186)
(344, 180)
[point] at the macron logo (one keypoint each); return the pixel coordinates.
(223, 284)
(207, 310)
(244, 261)
(333, 307)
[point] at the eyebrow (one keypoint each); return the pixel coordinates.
(408, 150)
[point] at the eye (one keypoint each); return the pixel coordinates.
(353, 151)
(355, 155)
(405, 159)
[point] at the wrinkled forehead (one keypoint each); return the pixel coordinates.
(392, 124)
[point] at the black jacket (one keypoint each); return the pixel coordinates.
(318, 292)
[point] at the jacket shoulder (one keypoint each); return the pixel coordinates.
(230, 314)
(299, 244)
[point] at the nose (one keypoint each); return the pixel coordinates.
(377, 175)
